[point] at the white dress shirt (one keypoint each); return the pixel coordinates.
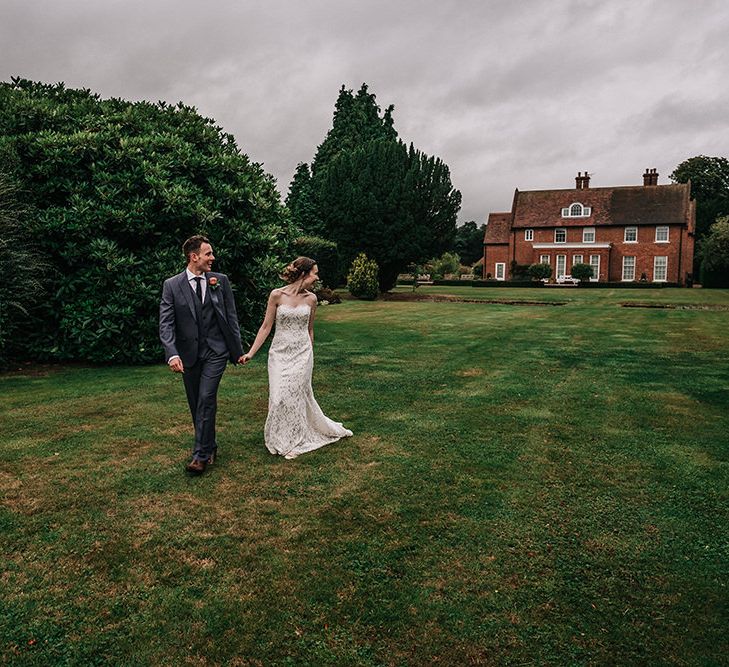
(203, 283)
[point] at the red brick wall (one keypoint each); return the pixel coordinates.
(493, 254)
(679, 247)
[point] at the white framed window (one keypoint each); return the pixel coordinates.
(628, 268)
(588, 235)
(660, 269)
(560, 235)
(662, 234)
(500, 270)
(595, 264)
(576, 210)
(528, 234)
(631, 235)
(544, 259)
(576, 259)
(561, 266)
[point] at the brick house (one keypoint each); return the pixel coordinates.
(625, 233)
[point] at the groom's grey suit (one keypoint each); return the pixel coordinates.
(205, 335)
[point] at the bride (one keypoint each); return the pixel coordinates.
(295, 422)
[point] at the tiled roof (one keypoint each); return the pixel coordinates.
(627, 205)
(497, 228)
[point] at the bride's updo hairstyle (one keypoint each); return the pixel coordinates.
(297, 269)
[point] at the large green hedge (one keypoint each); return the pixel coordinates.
(22, 269)
(117, 187)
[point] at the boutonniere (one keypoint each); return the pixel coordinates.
(213, 282)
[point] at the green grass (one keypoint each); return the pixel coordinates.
(527, 485)
(594, 296)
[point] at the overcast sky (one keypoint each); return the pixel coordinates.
(517, 93)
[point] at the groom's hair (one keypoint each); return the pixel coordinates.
(193, 245)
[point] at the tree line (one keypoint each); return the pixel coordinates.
(96, 196)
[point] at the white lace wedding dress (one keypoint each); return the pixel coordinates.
(295, 422)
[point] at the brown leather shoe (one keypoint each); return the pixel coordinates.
(196, 467)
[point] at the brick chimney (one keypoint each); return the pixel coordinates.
(582, 182)
(650, 177)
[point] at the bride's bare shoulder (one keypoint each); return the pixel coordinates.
(275, 295)
(310, 297)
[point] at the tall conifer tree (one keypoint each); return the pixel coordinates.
(374, 194)
(300, 202)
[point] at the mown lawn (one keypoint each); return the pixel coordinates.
(527, 485)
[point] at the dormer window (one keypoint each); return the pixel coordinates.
(577, 210)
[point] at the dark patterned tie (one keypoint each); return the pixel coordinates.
(198, 287)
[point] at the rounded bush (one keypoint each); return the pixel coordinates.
(539, 271)
(581, 272)
(362, 279)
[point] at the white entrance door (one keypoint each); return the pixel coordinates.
(595, 264)
(500, 270)
(561, 264)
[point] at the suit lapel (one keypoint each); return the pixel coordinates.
(184, 288)
(212, 294)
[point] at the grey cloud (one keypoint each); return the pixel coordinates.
(508, 94)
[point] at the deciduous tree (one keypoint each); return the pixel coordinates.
(709, 186)
(469, 242)
(714, 255)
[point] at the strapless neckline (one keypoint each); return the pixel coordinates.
(288, 305)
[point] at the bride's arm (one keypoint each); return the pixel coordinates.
(312, 312)
(265, 330)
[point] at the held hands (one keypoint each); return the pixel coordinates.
(245, 358)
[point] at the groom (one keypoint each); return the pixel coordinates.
(198, 327)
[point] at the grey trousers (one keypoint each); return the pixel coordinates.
(201, 386)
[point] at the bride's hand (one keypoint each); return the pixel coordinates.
(245, 358)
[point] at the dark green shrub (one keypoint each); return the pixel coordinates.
(636, 284)
(326, 255)
(540, 271)
(519, 271)
(117, 187)
(454, 283)
(362, 278)
(582, 272)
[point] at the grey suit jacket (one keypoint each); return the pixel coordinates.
(178, 328)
